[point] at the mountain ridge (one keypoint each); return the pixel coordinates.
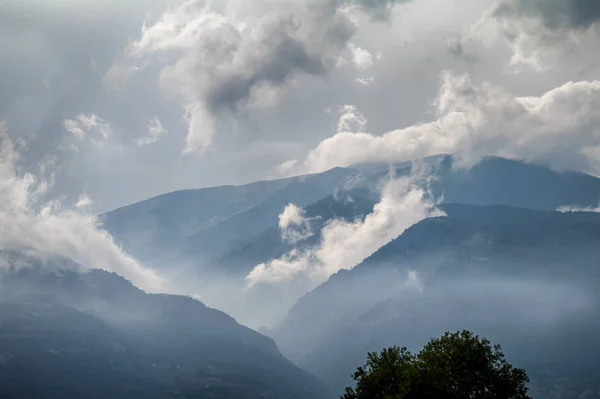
(502, 247)
(176, 343)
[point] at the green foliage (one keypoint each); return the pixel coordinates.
(456, 366)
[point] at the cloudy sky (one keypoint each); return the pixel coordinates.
(121, 100)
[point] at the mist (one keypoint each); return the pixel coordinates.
(29, 220)
(542, 324)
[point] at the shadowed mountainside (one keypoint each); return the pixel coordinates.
(523, 277)
(67, 332)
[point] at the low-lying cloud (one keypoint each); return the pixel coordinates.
(570, 208)
(27, 221)
(294, 226)
(343, 244)
(559, 128)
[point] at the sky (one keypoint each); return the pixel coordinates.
(121, 101)
(106, 103)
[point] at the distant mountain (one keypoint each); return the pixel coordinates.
(268, 244)
(197, 226)
(199, 229)
(266, 303)
(206, 241)
(493, 181)
(66, 333)
(502, 262)
(499, 181)
(528, 279)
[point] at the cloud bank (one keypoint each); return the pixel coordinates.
(404, 202)
(569, 208)
(26, 221)
(560, 127)
(224, 59)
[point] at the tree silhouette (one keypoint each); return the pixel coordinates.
(456, 366)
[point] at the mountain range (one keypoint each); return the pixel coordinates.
(522, 277)
(208, 240)
(68, 332)
(498, 258)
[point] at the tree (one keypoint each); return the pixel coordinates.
(456, 366)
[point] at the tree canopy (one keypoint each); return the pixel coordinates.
(458, 365)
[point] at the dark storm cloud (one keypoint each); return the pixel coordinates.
(222, 66)
(290, 51)
(288, 55)
(556, 14)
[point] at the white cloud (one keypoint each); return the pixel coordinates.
(223, 59)
(560, 127)
(413, 280)
(294, 226)
(571, 208)
(351, 120)
(284, 269)
(84, 202)
(286, 167)
(84, 125)
(344, 244)
(361, 58)
(365, 81)
(292, 215)
(201, 128)
(156, 130)
(47, 226)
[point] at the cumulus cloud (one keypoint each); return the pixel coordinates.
(361, 58)
(351, 120)
(343, 244)
(559, 127)
(365, 81)
(538, 32)
(156, 130)
(84, 202)
(88, 126)
(26, 222)
(222, 59)
(294, 226)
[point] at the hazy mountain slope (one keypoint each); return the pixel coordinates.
(494, 181)
(502, 271)
(498, 181)
(202, 224)
(53, 351)
(347, 205)
(105, 334)
(217, 236)
(266, 303)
